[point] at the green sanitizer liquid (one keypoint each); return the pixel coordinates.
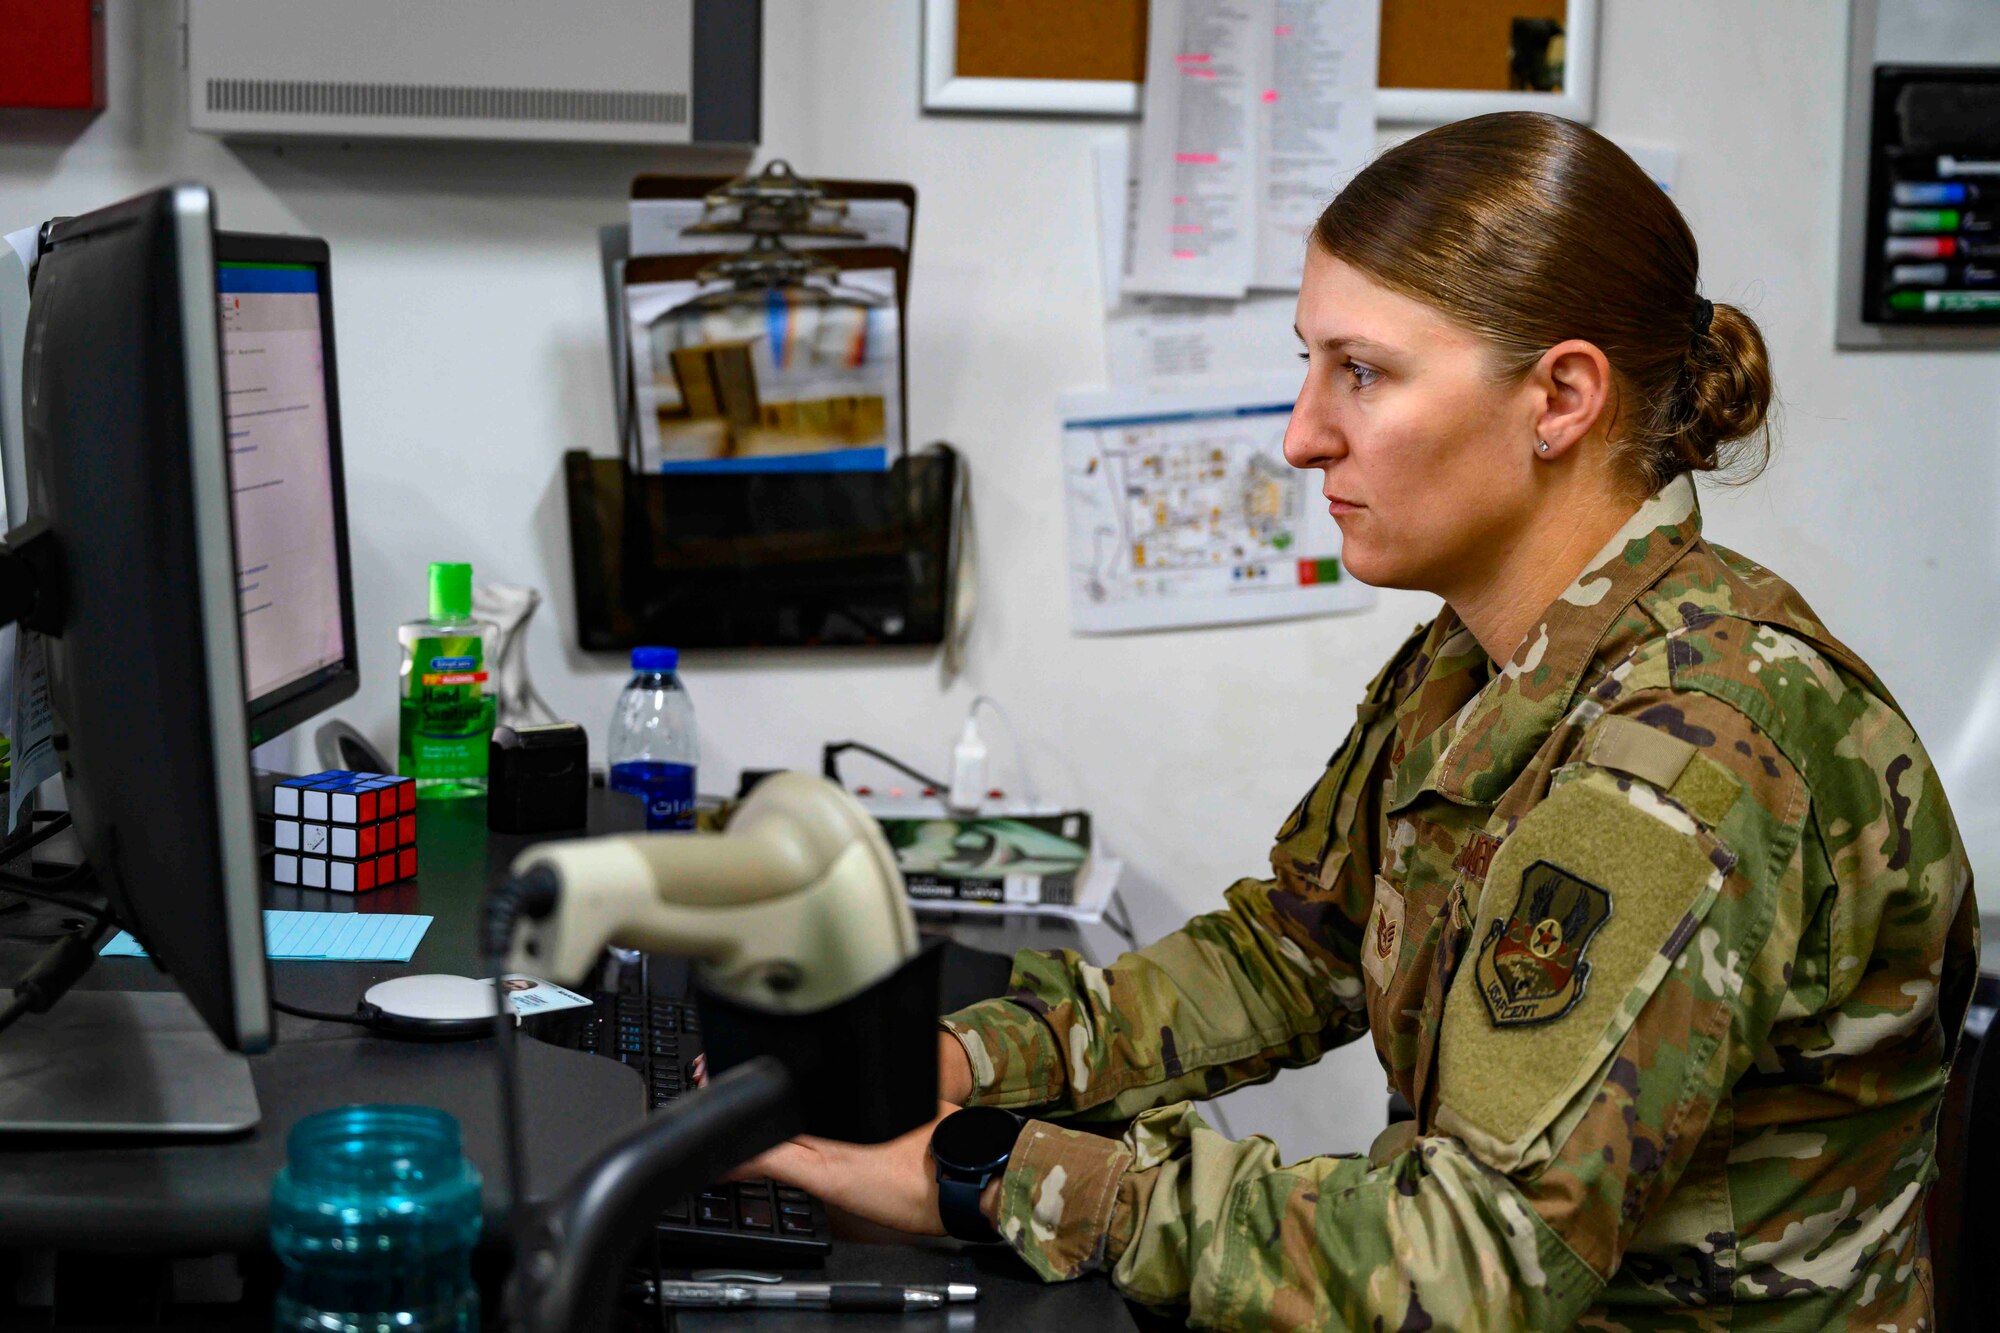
(447, 705)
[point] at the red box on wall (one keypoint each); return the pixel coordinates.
(52, 54)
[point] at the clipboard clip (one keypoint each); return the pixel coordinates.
(770, 265)
(776, 201)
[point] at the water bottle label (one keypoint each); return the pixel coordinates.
(667, 790)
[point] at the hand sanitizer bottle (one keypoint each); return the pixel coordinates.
(447, 699)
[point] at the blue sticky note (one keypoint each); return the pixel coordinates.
(345, 937)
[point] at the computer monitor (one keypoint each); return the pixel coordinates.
(127, 469)
(282, 410)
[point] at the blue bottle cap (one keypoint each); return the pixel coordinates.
(655, 659)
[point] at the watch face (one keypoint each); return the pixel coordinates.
(975, 1140)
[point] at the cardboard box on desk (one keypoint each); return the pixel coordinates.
(1022, 859)
(344, 831)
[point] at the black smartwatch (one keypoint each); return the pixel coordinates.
(971, 1148)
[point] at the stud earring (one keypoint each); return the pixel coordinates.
(1541, 446)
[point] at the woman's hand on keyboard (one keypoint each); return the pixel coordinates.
(891, 1184)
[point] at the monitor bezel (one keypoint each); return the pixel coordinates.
(278, 711)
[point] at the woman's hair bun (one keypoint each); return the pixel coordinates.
(1725, 396)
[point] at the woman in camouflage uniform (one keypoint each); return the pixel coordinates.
(1643, 887)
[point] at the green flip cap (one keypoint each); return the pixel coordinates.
(451, 592)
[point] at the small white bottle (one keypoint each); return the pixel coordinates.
(968, 769)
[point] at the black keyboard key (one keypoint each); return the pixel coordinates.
(786, 1194)
(794, 1226)
(754, 1214)
(677, 1211)
(711, 1211)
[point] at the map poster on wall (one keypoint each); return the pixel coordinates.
(1182, 511)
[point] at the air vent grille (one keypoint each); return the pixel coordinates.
(415, 101)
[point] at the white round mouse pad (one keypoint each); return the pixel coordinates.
(435, 995)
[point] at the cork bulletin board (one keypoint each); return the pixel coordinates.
(1441, 59)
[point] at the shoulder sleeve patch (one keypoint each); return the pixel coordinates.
(1586, 906)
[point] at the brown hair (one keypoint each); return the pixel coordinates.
(1529, 230)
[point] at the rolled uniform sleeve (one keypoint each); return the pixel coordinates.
(1270, 981)
(1565, 1116)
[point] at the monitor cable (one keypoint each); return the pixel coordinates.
(830, 763)
(358, 1019)
(71, 955)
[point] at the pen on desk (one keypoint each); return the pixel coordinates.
(861, 1296)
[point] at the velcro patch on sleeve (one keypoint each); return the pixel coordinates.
(1706, 788)
(1627, 746)
(1587, 904)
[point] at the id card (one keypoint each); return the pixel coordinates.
(531, 995)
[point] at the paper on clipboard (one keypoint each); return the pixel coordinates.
(1181, 510)
(773, 384)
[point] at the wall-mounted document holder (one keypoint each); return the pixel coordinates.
(746, 317)
(766, 560)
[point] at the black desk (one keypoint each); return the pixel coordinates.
(210, 1198)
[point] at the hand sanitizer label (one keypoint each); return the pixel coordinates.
(447, 714)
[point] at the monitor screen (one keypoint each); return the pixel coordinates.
(282, 473)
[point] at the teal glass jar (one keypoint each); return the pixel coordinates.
(374, 1217)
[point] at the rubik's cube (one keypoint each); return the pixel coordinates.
(344, 831)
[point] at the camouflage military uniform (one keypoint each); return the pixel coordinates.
(1663, 927)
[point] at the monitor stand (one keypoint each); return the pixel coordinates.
(122, 1062)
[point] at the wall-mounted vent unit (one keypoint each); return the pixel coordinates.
(567, 71)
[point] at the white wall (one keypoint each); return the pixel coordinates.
(472, 354)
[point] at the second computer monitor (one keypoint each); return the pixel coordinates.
(283, 411)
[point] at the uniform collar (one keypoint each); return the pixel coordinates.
(1474, 757)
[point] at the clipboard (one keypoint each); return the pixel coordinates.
(646, 271)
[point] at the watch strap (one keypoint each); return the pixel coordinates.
(958, 1208)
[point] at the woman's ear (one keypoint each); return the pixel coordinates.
(1573, 380)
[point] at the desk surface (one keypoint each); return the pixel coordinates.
(212, 1197)
(1011, 1299)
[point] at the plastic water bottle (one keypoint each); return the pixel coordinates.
(654, 747)
(374, 1216)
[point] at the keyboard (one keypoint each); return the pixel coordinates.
(749, 1222)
